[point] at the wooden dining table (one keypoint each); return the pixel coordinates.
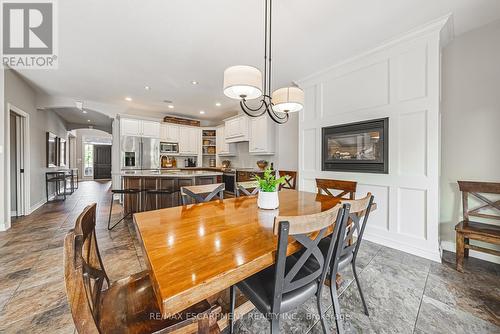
(196, 251)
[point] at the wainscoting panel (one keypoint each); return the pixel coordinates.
(379, 219)
(399, 80)
(411, 69)
(310, 143)
(363, 88)
(412, 139)
(412, 219)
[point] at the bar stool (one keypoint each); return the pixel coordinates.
(203, 193)
(156, 193)
(55, 177)
(125, 192)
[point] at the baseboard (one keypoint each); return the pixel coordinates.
(37, 206)
(4, 227)
(451, 246)
(428, 254)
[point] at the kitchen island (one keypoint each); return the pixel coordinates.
(171, 180)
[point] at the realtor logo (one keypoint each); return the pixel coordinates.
(29, 34)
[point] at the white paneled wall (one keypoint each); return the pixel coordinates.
(399, 80)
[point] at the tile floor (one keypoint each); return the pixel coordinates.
(405, 293)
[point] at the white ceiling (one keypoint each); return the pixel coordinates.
(76, 119)
(112, 49)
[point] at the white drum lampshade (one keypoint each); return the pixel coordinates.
(288, 99)
(242, 81)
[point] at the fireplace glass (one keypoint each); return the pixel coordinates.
(356, 147)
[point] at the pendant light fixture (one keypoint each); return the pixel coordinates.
(245, 83)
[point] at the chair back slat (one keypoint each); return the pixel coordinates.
(290, 179)
(308, 231)
(85, 275)
(477, 189)
(346, 188)
(358, 216)
(203, 193)
(243, 189)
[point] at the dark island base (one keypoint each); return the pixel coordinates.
(165, 183)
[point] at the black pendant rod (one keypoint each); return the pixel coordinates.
(266, 103)
(270, 43)
(265, 48)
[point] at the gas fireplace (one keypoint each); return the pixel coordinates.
(357, 147)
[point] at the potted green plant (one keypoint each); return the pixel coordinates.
(268, 189)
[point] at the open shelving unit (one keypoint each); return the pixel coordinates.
(208, 147)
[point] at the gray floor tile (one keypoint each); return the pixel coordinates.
(438, 317)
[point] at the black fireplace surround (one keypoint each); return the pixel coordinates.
(357, 147)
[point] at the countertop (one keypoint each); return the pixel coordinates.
(170, 173)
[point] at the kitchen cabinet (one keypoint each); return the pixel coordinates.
(150, 129)
(236, 129)
(169, 133)
(139, 128)
(130, 127)
(224, 148)
(189, 140)
(262, 136)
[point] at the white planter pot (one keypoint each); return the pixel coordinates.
(268, 200)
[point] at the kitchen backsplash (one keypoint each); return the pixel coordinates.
(245, 159)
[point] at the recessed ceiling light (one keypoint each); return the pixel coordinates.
(84, 111)
(202, 112)
(88, 120)
(128, 99)
(217, 104)
(194, 82)
(147, 87)
(171, 106)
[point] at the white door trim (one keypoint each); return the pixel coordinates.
(26, 175)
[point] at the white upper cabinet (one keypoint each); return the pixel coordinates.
(189, 140)
(224, 148)
(140, 128)
(262, 135)
(236, 129)
(150, 129)
(130, 127)
(169, 133)
(195, 140)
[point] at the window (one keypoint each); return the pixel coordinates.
(88, 160)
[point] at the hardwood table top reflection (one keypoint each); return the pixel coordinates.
(196, 251)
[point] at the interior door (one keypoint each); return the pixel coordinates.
(102, 161)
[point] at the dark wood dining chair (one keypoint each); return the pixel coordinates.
(467, 229)
(128, 305)
(202, 193)
(359, 210)
(344, 187)
(290, 179)
(290, 282)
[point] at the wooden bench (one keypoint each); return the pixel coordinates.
(467, 229)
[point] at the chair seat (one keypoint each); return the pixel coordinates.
(471, 227)
(259, 289)
(125, 191)
(129, 306)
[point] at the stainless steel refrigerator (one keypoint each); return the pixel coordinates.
(140, 153)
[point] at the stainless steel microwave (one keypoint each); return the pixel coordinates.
(169, 148)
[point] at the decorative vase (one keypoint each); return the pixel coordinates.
(268, 200)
